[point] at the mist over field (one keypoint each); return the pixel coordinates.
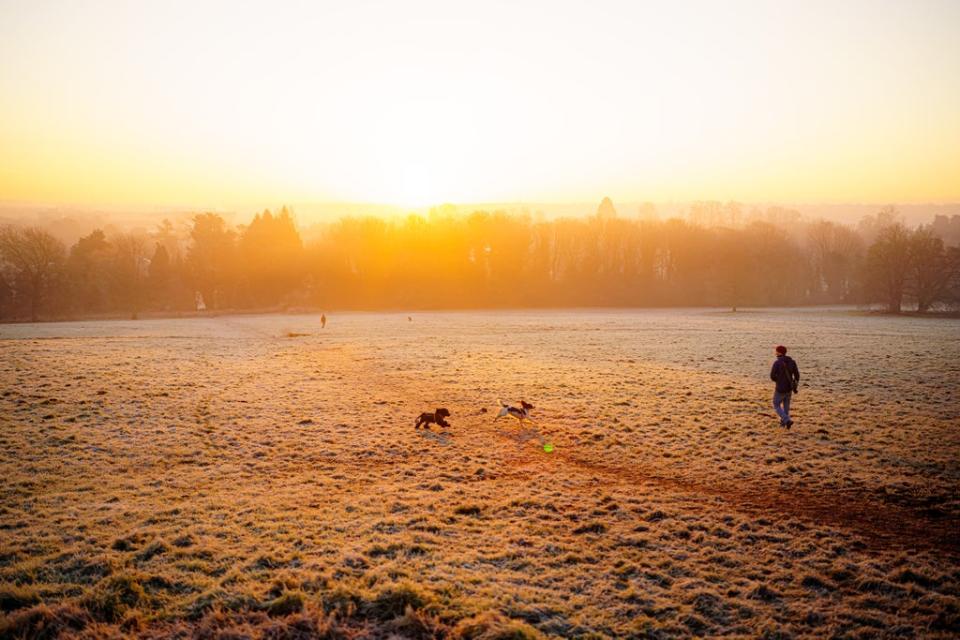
(70, 222)
(716, 255)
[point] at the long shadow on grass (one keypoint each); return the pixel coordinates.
(881, 523)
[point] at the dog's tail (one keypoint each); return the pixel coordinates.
(502, 403)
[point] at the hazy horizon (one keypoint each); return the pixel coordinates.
(310, 213)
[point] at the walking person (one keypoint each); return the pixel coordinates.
(323, 321)
(787, 376)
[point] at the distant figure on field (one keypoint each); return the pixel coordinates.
(787, 376)
(323, 321)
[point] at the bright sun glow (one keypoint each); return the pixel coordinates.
(220, 103)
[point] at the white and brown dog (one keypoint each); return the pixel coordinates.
(522, 414)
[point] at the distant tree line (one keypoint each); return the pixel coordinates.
(719, 256)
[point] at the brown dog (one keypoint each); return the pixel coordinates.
(426, 419)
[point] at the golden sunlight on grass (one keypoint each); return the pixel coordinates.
(261, 477)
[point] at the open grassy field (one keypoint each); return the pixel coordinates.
(261, 477)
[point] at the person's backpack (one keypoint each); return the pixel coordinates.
(785, 370)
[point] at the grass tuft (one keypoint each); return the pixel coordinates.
(764, 593)
(343, 599)
(393, 601)
(155, 548)
(593, 527)
(417, 624)
(286, 603)
(13, 597)
(491, 625)
(43, 622)
(816, 583)
(112, 597)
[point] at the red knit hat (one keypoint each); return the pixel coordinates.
(782, 350)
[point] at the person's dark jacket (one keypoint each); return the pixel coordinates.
(785, 373)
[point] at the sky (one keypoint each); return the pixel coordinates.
(228, 104)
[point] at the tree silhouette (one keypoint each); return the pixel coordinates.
(931, 272)
(6, 297)
(485, 259)
(160, 276)
(129, 270)
(34, 259)
(211, 257)
(889, 265)
(271, 254)
(733, 268)
(606, 210)
(88, 272)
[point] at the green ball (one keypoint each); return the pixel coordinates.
(548, 448)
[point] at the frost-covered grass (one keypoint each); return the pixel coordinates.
(261, 477)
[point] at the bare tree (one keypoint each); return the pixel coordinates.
(953, 287)
(930, 270)
(888, 264)
(835, 252)
(6, 296)
(34, 257)
(871, 226)
(820, 243)
(732, 272)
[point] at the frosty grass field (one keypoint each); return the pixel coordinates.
(246, 476)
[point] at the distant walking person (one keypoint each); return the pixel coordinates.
(323, 321)
(787, 376)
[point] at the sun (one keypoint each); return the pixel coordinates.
(415, 187)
